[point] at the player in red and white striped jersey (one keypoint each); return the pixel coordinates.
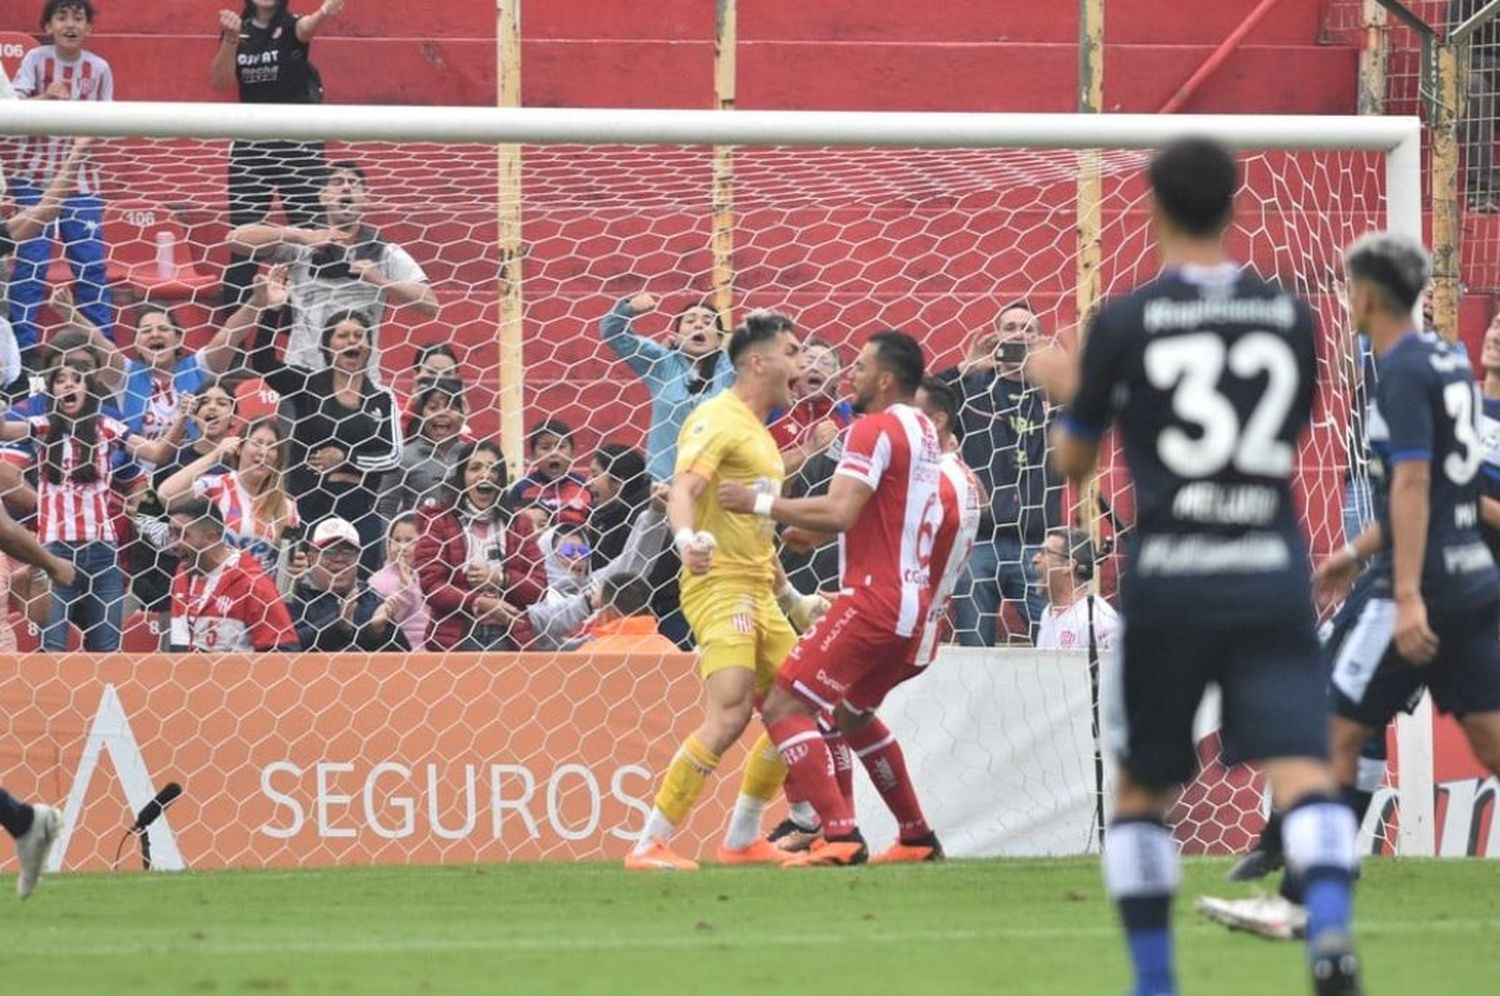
(63, 70)
(964, 502)
(221, 599)
(883, 501)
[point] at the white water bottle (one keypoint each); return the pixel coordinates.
(166, 249)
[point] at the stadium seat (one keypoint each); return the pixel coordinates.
(148, 250)
(142, 633)
(255, 399)
(29, 636)
(13, 48)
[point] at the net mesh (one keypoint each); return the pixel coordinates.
(846, 241)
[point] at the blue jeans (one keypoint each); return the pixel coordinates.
(95, 602)
(79, 226)
(1000, 570)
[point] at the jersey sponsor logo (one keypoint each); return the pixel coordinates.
(1177, 555)
(741, 622)
(1469, 558)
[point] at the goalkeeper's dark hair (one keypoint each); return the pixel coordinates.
(65, 430)
(1194, 180)
(760, 327)
(1395, 264)
(900, 356)
(941, 399)
(202, 513)
(627, 594)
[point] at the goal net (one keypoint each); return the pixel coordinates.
(496, 263)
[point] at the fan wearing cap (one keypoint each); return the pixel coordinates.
(334, 610)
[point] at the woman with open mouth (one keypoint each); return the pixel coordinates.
(243, 476)
(478, 560)
(75, 520)
(345, 434)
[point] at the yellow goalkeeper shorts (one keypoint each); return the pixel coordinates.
(738, 624)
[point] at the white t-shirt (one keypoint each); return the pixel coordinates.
(1068, 628)
(315, 299)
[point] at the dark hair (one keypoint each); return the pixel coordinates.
(1194, 180)
(551, 427)
(346, 166)
(1079, 549)
(67, 340)
(150, 307)
(899, 354)
(1396, 264)
(703, 305)
(760, 327)
(501, 509)
(52, 7)
(84, 429)
(451, 386)
(202, 511)
(430, 350)
(627, 594)
(334, 321)
(627, 465)
(942, 399)
(249, 9)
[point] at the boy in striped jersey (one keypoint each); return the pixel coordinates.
(63, 70)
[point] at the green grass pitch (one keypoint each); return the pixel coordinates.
(1007, 926)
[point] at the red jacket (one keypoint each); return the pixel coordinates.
(441, 553)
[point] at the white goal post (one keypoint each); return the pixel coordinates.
(1396, 139)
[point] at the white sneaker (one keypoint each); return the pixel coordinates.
(1272, 917)
(33, 846)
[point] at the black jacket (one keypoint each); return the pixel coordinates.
(316, 614)
(1004, 424)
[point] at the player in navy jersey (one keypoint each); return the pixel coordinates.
(1435, 606)
(1209, 373)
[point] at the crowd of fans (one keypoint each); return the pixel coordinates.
(269, 491)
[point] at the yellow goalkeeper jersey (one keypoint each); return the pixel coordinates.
(724, 441)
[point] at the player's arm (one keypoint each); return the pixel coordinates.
(695, 548)
(1489, 512)
(1085, 384)
(1338, 571)
(1405, 401)
(833, 512)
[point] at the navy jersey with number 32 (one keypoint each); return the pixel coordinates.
(1210, 375)
(1427, 407)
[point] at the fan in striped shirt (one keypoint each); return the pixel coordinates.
(79, 446)
(63, 70)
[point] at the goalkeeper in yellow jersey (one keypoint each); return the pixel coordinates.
(728, 580)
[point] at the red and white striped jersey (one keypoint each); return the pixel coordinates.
(964, 501)
(242, 527)
(887, 553)
(233, 607)
(72, 512)
(38, 158)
